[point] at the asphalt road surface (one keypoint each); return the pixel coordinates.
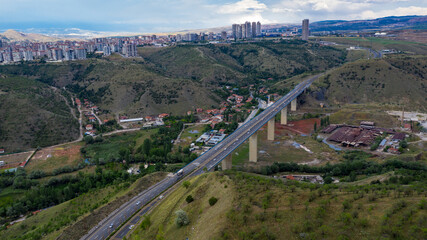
(207, 160)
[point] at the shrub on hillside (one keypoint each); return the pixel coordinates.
(189, 199)
(213, 200)
(181, 218)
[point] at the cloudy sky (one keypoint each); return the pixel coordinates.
(171, 15)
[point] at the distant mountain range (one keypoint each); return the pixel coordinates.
(386, 23)
(379, 24)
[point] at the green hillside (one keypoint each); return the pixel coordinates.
(393, 81)
(33, 114)
(253, 207)
(249, 62)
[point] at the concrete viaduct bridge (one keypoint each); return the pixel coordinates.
(223, 150)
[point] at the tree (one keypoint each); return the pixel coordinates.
(146, 146)
(181, 218)
(88, 139)
(403, 144)
(186, 184)
(212, 201)
(328, 180)
(145, 224)
(189, 199)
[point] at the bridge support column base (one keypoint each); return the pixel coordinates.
(270, 129)
(227, 162)
(284, 116)
(294, 105)
(253, 147)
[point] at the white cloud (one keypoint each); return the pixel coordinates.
(285, 10)
(323, 5)
(243, 6)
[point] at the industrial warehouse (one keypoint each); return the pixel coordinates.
(355, 136)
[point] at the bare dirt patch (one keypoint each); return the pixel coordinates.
(305, 126)
(54, 157)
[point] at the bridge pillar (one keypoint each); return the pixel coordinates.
(284, 116)
(253, 147)
(294, 105)
(227, 162)
(270, 129)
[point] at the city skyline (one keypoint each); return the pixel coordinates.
(177, 15)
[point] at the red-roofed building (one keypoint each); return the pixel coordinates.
(199, 110)
(407, 126)
(163, 115)
(149, 118)
(1, 151)
(89, 127)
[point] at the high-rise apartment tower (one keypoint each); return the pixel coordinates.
(305, 30)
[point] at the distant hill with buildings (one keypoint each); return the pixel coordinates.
(182, 78)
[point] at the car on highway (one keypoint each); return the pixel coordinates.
(130, 227)
(111, 225)
(161, 197)
(137, 203)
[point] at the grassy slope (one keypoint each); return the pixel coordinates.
(200, 213)
(249, 62)
(391, 81)
(268, 209)
(79, 212)
(28, 120)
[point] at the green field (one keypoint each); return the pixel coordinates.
(110, 147)
(353, 114)
(188, 136)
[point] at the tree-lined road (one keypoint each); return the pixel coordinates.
(208, 160)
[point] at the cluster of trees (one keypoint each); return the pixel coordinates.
(156, 149)
(356, 164)
(56, 190)
(109, 126)
(229, 128)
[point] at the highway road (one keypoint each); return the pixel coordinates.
(206, 161)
